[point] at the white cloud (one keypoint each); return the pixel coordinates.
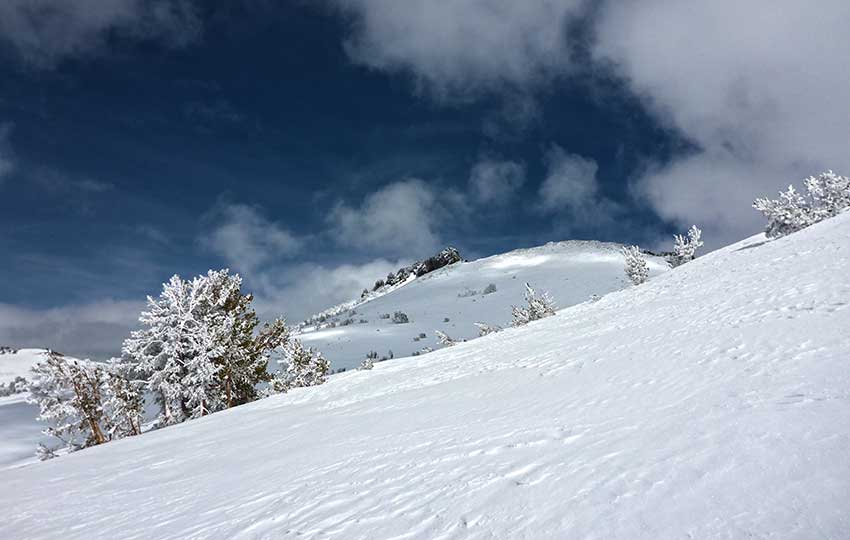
(761, 87)
(495, 182)
(246, 239)
(7, 160)
(570, 182)
(460, 48)
(94, 330)
(303, 290)
(43, 32)
(399, 219)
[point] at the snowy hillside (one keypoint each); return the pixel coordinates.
(711, 402)
(19, 430)
(17, 363)
(453, 298)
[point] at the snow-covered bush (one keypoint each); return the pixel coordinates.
(198, 352)
(827, 195)
(366, 364)
(16, 386)
(304, 367)
(636, 268)
(537, 307)
(399, 317)
(489, 289)
(444, 339)
(484, 329)
(685, 247)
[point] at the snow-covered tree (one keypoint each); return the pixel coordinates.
(827, 195)
(367, 364)
(304, 367)
(636, 268)
(537, 307)
(68, 394)
(444, 339)
(685, 247)
(198, 351)
(123, 400)
(484, 329)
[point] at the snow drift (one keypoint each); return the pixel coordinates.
(711, 402)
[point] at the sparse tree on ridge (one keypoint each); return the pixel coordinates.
(636, 268)
(537, 307)
(827, 195)
(685, 247)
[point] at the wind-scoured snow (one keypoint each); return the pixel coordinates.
(569, 271)
(711, 402)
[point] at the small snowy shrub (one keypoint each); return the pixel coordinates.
(484, 329)
(399, 317)
(366, 364)
(685, 247)
(444, 339)
(636, 267)
(827, 195)
(537, 307)
(490, 288)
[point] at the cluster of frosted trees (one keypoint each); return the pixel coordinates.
(200, 350)
(827, 195)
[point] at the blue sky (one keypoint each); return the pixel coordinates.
(314, 146)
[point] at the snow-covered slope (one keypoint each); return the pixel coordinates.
(18, 363)
(711, 402)
(19, 430)
(452, 299)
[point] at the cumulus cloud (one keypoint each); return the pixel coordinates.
(495, 182)
(457, 49)
(761, 88)
(43, 32)
(401, 218)
(299, 291)
(95, 330)
(246, 239)
(570, 182)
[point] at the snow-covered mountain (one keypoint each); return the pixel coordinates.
(711, 402)
(453, 298)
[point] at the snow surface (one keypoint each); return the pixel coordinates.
(20, 432)
(711, 402)
(18, 364)
(570, 271)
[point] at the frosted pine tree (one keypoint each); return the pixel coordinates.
(827, 195)
(68, 394)
(161, 351)
(367, 364)
(684, 248)
(537, 307)
(304, 367)
(636, 268)
(123, 400)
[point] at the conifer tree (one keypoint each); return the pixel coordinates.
(684, 248)
(636, 268)
(537, 307)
